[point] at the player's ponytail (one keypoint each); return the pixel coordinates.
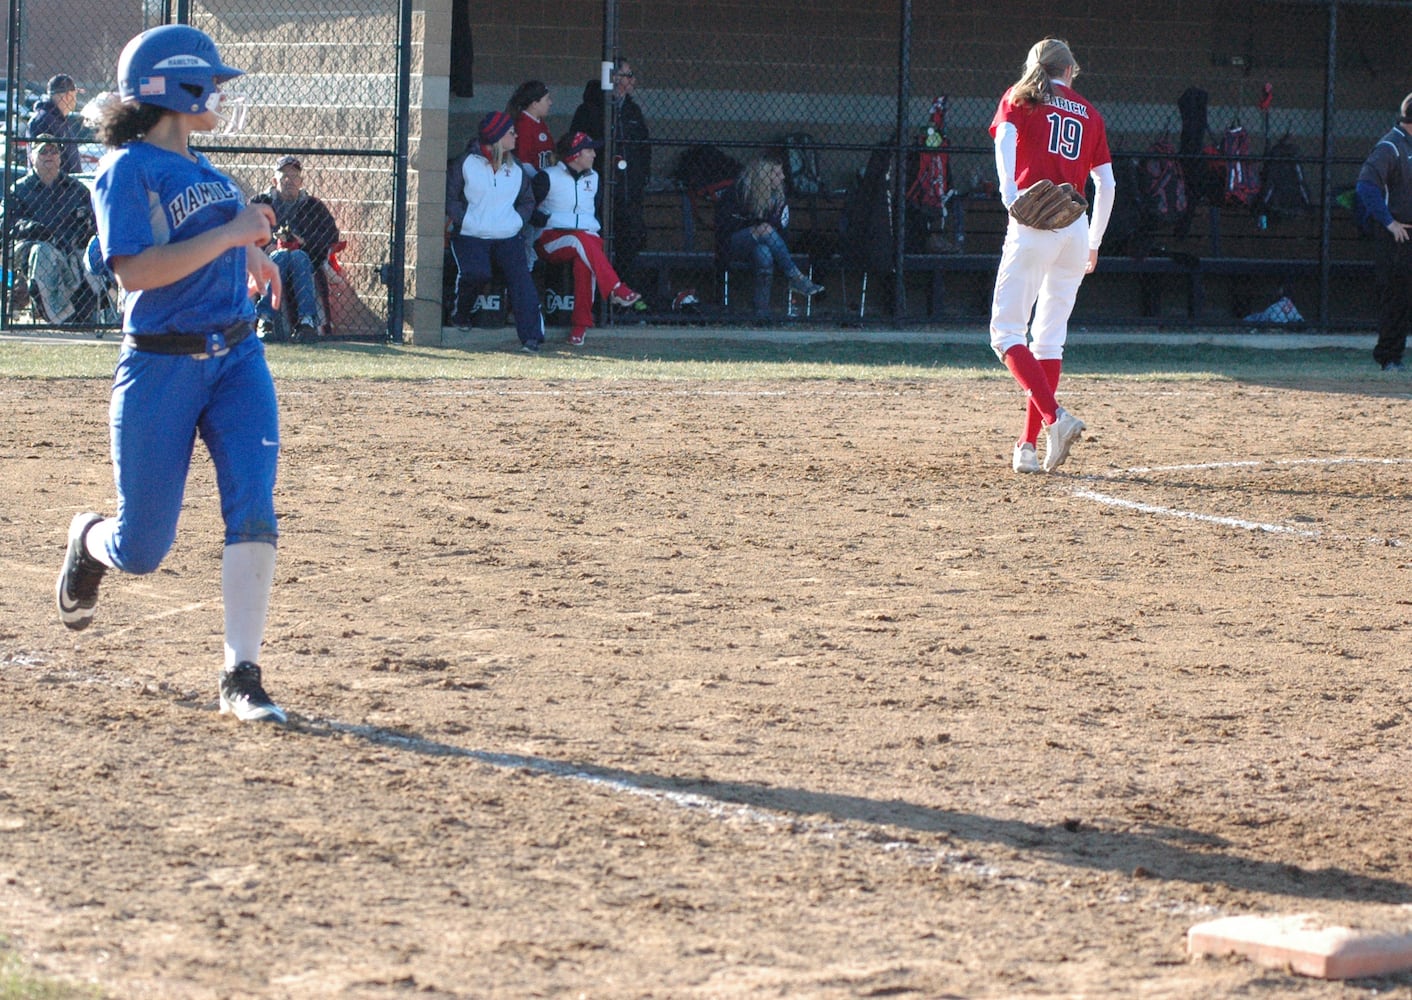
(1047, 60)
(119, 124)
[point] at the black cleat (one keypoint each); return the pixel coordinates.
(76, 592)
(243, 696)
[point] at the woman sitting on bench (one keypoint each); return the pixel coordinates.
(750, 223)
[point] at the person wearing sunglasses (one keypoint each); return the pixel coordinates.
(631, 168)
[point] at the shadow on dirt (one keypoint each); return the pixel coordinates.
(1342, 366)
(1160, 853)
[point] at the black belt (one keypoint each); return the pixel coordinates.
(196, 345)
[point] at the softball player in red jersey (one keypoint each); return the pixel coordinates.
(1043, 130)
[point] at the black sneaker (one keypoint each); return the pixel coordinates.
(243, 696)
(76, 592)
(305, 331)
(530, 346)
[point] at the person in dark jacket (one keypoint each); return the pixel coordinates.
(751, 221)
(51, 118)
(588, 116)
(49, 219)
(1385, 189)
(633, 160)
(305, 233)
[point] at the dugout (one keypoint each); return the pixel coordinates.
(857, 77)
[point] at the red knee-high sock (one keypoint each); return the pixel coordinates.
(1033, 380)
(1051, 368)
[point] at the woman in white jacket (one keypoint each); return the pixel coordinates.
(571, 230)
(498, 204)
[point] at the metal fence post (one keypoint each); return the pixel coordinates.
(1326, 182)
(608, 171)
(899, 181)
(397, 250)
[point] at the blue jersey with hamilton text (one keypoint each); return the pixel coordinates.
(145, 196)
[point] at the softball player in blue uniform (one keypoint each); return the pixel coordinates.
(186, 249)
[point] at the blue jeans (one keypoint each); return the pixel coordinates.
(762, 254)
(473, 256)
(296, 275)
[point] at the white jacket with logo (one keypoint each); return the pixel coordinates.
(569, 203)
(490, 197)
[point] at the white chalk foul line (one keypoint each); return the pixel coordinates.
(1235, 522)
(1189, 515)
(1256, 462)
(627, 784)
(860, 832)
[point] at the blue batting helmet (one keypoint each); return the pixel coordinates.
(174, 66)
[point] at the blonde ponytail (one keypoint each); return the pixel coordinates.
(1047, 59)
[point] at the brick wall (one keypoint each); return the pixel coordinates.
(732, 70)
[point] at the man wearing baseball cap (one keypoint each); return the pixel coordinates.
(49, 219)
(305, 233)
(51, 117)
(571, 230)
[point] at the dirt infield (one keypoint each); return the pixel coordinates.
(669, 689)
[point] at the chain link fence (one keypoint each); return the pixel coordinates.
(881, 118)
(886, 178)
(321, 81)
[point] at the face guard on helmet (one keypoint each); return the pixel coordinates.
(177, 67)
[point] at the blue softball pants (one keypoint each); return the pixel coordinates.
(160, 404)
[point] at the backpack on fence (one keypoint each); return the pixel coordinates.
(1241, 181)
(931, 189)
(1128, 232)
(1283, 193)
(1163, 192)
(801, 164)
(868, 216)
(705, 169)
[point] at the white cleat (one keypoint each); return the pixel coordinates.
(1026, 459)
(1060, 437)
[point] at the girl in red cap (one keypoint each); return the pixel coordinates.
(571, 230)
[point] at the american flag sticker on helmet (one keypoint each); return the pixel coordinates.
(152, 86)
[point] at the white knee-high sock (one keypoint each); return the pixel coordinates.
(247, 574)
